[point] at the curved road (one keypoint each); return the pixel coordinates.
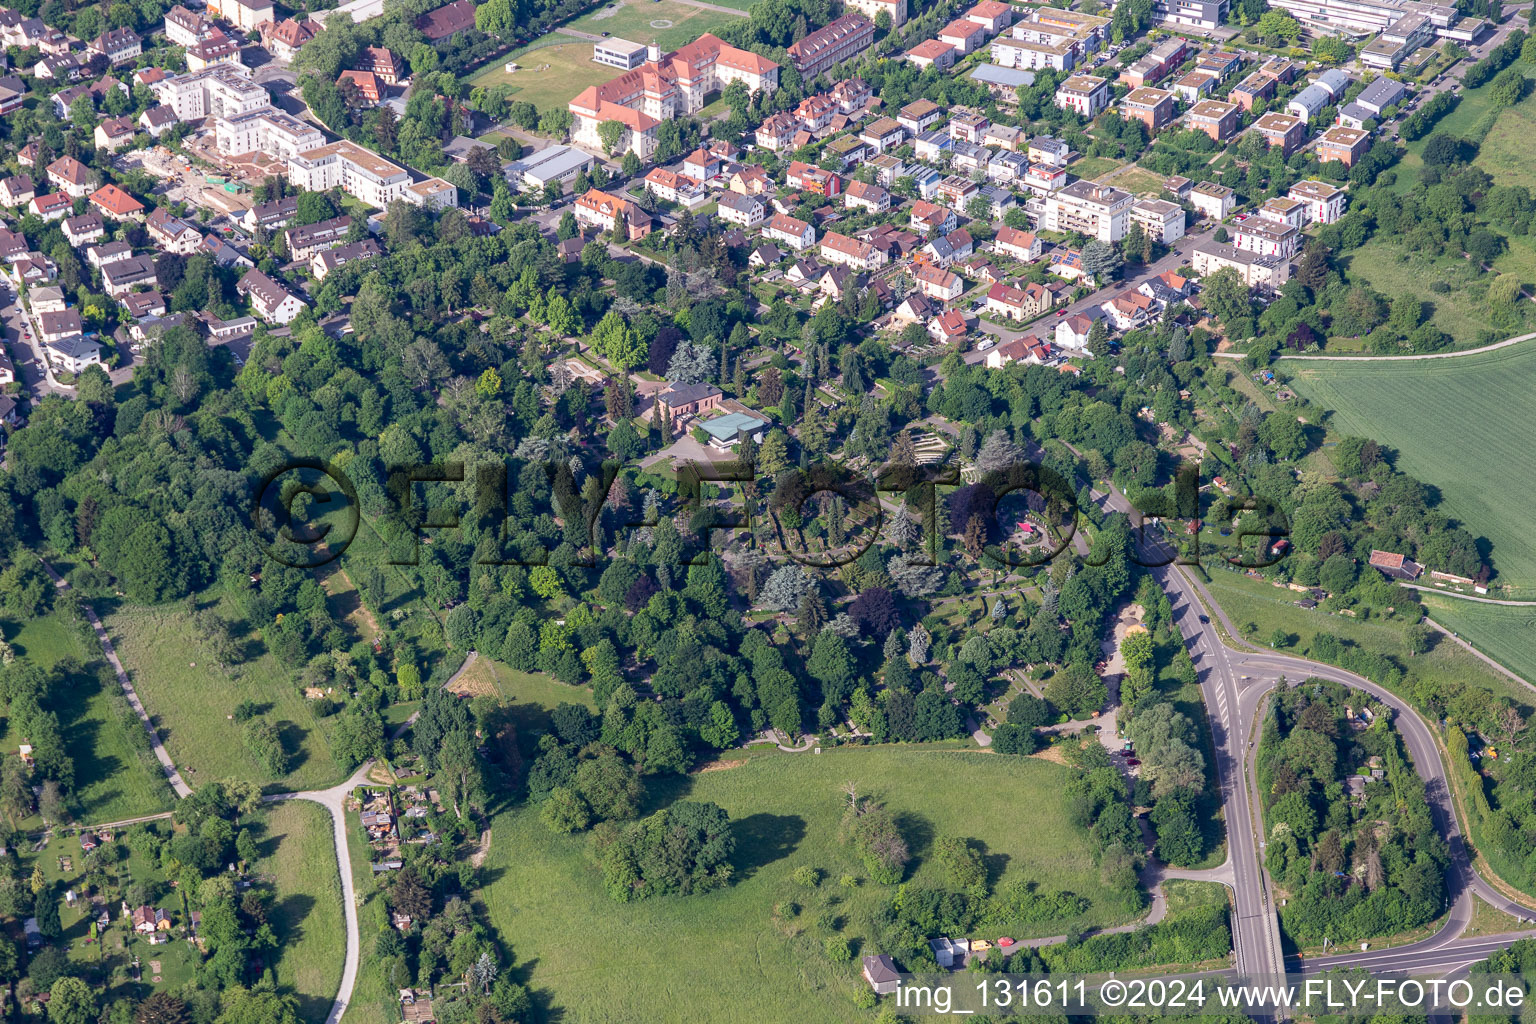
(331, 799)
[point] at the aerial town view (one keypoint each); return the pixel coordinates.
(724, 511)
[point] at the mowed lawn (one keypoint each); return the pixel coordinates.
(1462, 425)
(548, 76)
(667, 22)
(728, 956)
(111, 780)
(190, 700)
(1272, 608)
(490, 677)
(298, 853)
(1505, 633)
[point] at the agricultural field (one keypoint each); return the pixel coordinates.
(1505, 633)
(1270, 608)
(299, 858)
(1485, 468)
(112, 780)
(190, 700)
(759, 964)
(549, 74)
(669, 23)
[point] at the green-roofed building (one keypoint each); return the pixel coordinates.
(726, 431)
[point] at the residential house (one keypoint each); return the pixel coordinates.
(1005, 300)
(867, 197)
(765, 255)
(1372, 102)
(57, 326)
(13, 245)
(777, 131)
(224, 255)
(671, 187)
(269, 300)
(810, 178)
(933, 146)
(937, 283)
(751, 180)
(851, 95)
(742, 210)
(949, 327)
(965, 35)
(83, 229)
(245, 15)
(914, 309)
(157, 120)
(919, 115)
(883, 134)
(701, 165)
(931, 219)
(13, 92)
(967, 127)
(218, 49)
(1128, 310)
(171, 233)
(1221, 63)
(99, 256)
(1003, 136)
(51, 205)
(597, 209)
(1256, 88)
(71, 176)
(123, 276)
(956, 191)
(991, 15)
(381, 63)
(327, 260)
(881, 974)
(17, 190)
(184, 28)
(1395, 566)
(140, 305)
(303, 242)
(1195, 86)
(1049, 152)
(1021, 245)
(369, 88)
(796, 234)
(1157, 64)
(114, 133)
(118, 45)
(932, 53)
(1074, 331)
(284, 39)
(111, 201)
(1029, 350)
(270, 216)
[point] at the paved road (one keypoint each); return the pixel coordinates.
(591, 37)
(333, 800)
(1506, 343)
(1177, 256)
(31, 362)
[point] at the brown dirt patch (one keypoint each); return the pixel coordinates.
(1053, 754)
(720, 766)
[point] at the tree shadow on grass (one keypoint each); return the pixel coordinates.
(764, 838)
(918, 831)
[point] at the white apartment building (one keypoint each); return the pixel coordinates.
(1161, 220)
(356, 171)
(1266, 237)
(1099, 211)
(1085, 95)
(266, 130)
(223, 90)
(1213, 200)
(1324, 202)
(1256, 271)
